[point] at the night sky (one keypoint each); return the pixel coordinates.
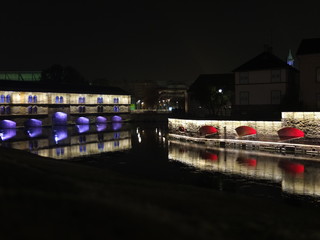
(159, 40)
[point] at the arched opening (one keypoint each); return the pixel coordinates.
(8, 124)
(82, 121)
(207, 130)
(101, 119)
(33, 123)
(116, 119)
(290, 133)
(59, 119)
(245, 131)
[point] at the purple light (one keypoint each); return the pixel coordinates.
(7, 124)
(101, 127)
(101, 119)
(116, 119)
(59, 133)
(8, 133)
(34, 131)
(116, 126)
(83, 121)
(59, 119)
(33, 123)
(83, 128)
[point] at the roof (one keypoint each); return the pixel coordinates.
(309, 46)
(59, 88)
(218, 80)
(265, 60)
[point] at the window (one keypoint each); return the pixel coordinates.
(30, 99)
(2, 99)
(2, 110)
(275, 76)
(318, 74)
(61, 99)
(35, 99)
(35, 110)
(275, 97)
(116, 109)
(8, 98)
(244, 98)
(100, 108)
(29, 110)
(8, 110)
(57, 99)
(82, 109)
(99, 100)
(243, 77)
(116, 100)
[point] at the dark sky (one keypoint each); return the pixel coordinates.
(152, 40)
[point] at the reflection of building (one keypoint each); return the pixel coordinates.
(60, 105)
(20, 75)
(309, 65)
(265, 86)
(295, 177)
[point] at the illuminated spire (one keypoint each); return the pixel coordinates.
(290, 59)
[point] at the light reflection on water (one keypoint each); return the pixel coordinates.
(296, 175)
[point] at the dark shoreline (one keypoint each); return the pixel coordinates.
(44, 198)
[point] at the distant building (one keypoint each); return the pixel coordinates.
(174, 97)
(265, 86)
(204, 88)
(308, 56)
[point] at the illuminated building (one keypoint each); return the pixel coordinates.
(61, 104)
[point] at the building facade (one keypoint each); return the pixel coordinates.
(265, 86)
(22, 102)
(308, 55)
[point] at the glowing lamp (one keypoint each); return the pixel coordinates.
(245, 131)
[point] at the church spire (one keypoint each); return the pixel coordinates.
(290, 60)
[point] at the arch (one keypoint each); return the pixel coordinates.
(29, 110)
(33, 123)
(57, 99)
(116, 118)
(207, 130)
(289, 133)
(245, 131)
(8, 124)
(101, 119)
(59, 119)
(82, 121)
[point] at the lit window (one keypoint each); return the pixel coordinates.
(35, 110)
(116, 100)
(2, 99)
(116, 109)
(243, 77)
(275, 97)
(30, 110)
(244, 98)
(57, 99)
(35, 99)
(61, 99)
(275, 76)
(2, 110)
(8, 98)
(30, 99)
(8, 110)
(80, 100)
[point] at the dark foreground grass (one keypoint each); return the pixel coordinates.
(47, 199)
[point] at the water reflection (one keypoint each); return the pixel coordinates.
(34, 131)
(82, 128)
(295, 175)
(116, 126)
(101, 127)
(59, 133)
(7, 133)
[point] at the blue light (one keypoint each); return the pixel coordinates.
(33, 123)
(6, 134)
(34, 132)
(59, 119)
(83, 128)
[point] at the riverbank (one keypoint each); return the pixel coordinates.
(42, 198)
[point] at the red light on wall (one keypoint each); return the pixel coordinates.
(290, 132)
(245, 130)
(206, 130)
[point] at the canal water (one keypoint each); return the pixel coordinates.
(144, 150)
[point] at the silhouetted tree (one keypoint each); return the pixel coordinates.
(59, 74)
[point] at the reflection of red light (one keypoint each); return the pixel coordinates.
(291, 167)
(245, 130)
(209, 156)
(289, 132)
(251, 162)
(204, 130)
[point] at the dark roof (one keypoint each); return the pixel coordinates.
(265, 60)
(59, 88)
(218, 80)
(309, 46)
